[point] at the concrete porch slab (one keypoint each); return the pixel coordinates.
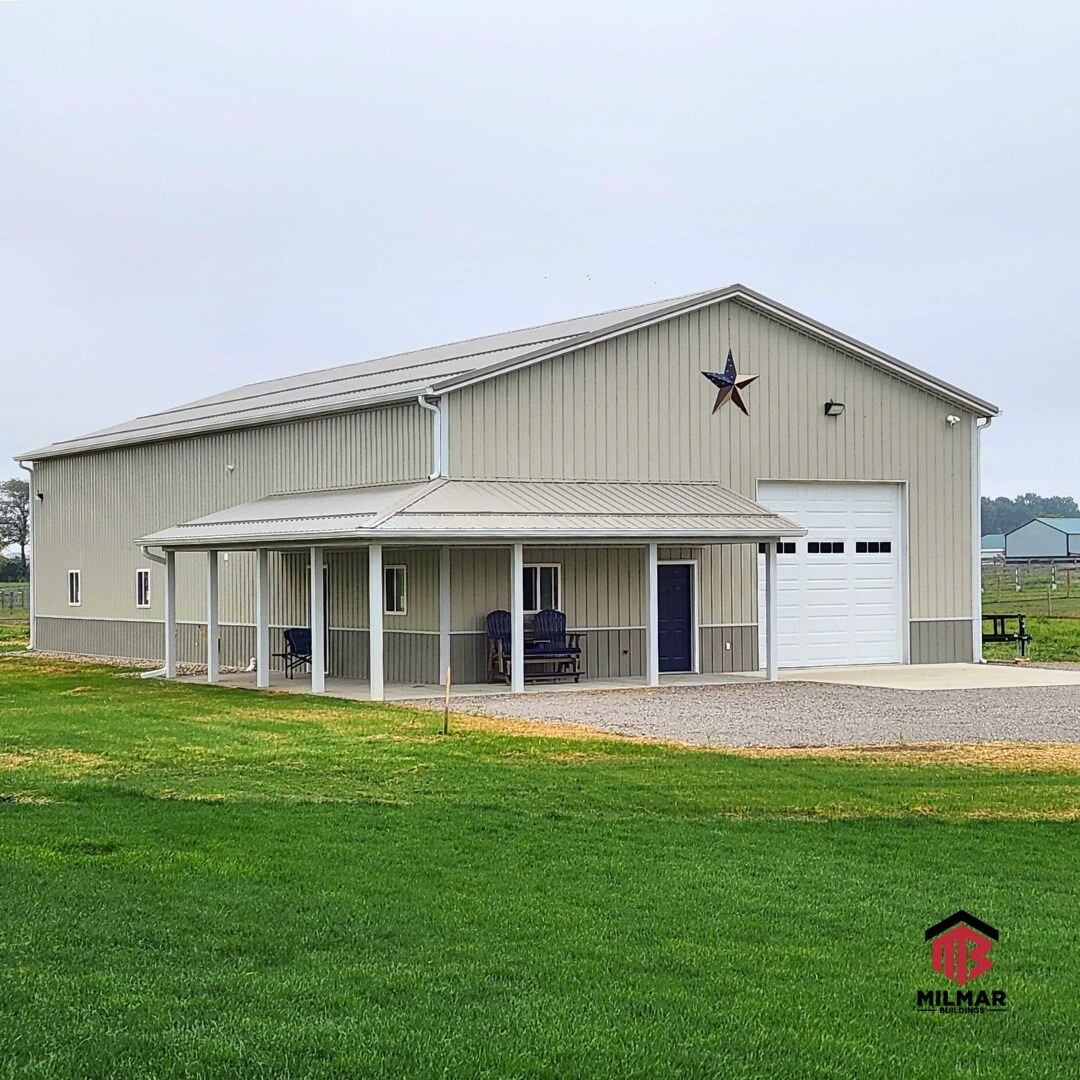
(359, 690)
(888, 676)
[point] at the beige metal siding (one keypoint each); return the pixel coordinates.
(941, 641)
(638, 408)
(96, 504)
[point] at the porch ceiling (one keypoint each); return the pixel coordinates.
(486, 511)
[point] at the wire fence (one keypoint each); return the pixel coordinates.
(1035, 588)
(14, 598)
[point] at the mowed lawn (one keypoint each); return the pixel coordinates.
(206, 882)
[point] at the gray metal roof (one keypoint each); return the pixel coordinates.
(1070, 525)
(436, 370)
(539, 511)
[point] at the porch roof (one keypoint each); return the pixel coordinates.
(485, 511)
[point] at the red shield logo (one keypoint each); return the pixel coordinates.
(960, 947)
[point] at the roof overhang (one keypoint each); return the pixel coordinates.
(485, 512)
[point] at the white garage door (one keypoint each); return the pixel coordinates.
(838, 592)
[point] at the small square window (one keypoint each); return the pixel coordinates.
(860, 547)
(886, 547)
(813, 547)
(142, 588)
(394, 598)
(540, 587)
(838, 547)
(74, 588)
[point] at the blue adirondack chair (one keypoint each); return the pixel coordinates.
(547, 649)
(549, 630)
(553, 642)
(499, 637)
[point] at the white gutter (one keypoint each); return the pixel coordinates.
(976, 536)
(439, 465)
(147, 553)
(421, 538)
(33, 554)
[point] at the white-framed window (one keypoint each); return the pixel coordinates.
(142, 588)
(395, 600)
(541, 587)
(74, 588)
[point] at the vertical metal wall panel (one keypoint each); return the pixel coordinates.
(411, 657)
(468, 658)
(942, 641)
(638, 408)
(96, 504)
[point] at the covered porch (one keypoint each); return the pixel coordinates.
(445, 518)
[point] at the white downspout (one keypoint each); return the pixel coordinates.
(436, 437)
(976, 537)
(31, 566)
(157, 673)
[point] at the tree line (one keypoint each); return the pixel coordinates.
(14, 529)
(1002, 515)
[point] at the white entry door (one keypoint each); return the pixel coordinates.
(839, 588)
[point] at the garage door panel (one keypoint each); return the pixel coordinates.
(837, 607)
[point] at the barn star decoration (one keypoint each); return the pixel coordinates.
(729, 384)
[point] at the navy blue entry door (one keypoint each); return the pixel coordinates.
(675, 610)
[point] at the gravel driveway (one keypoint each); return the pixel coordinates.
(805, 713)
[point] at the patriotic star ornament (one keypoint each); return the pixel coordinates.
(729, 384)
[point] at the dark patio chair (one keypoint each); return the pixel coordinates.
(552, 642)
(297, 652)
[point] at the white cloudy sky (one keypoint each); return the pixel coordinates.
(196, 195)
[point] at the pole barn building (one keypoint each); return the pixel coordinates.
(669, 476)
(1044, 538)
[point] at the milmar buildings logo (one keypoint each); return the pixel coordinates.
(960, 950)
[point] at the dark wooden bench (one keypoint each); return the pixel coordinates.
(1001, 632)
(297, 652)
(550, 652)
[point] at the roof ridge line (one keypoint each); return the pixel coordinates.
(476, 337)
(208, 401)
(407, 501)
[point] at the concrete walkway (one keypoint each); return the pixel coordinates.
(938, 676)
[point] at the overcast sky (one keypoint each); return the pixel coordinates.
(201, 194)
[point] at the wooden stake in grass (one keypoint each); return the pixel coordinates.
(446, 705)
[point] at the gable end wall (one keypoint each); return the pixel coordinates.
(638, 408)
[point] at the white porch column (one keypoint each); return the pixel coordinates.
(517, 620)
(170, 614)
(318, 623)
(444, 613)
(213, 623)
(375, 623)
(652, 618)
(771, 658)
(262, 619)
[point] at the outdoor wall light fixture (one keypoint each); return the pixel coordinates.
(834, 408)
(952, 421)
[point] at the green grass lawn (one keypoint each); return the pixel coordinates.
(204, 882)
